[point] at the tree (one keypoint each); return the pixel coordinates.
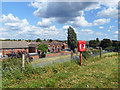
(97, 39)
(19, 40)
(105, 43)
(44, 40)
(50, 40)
(38, 40)
(72, 39)
(43, 47)
(93, 43)
(29, 40)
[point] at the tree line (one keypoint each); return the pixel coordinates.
(106, 44)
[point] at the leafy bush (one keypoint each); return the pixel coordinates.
(110, 49)
(43, 55)
(11, 70)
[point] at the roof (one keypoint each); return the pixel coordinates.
(13, 44)
(32, 45)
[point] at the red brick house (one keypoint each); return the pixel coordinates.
(53, 46)
(12, 46)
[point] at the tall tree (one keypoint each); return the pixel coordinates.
(44, 40)
(38, 40)
(43, 47)
(93, 43)
(72, 39)
(50, 40)
(105, 43)
(97, 39)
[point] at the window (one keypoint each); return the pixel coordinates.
(20, 49)
(7, 50)
(13, 49)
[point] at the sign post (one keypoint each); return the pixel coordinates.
(81, 48)
(80, 58)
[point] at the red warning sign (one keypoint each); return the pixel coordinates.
(81, 46)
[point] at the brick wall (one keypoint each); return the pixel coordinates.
(57, 54)
(35, 57)
(4, 52)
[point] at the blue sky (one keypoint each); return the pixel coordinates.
(45, 20)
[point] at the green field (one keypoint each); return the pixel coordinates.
(94, 73)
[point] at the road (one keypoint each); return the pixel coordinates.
(50, 60)
(62, 58)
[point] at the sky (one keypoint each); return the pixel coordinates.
(50, 20)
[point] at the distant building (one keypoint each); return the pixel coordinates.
(7, 47)
(53, 46)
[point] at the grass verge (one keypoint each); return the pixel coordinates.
(94, 73)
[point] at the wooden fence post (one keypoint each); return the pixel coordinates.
(23, 62)
(100, 52)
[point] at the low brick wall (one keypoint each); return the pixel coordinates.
(47, 55)
(51, 55)
(35, 56)
(57, 54)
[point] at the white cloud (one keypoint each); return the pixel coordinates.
(116, 36)
(110, 12)
(80, 22)
(101, 27)
(105, 34)
(116, 32)
(12, 23)
(44, 23)
(109, 3)
(2, 38)
(111, 27)
(65, 27)
(64, 11)
(53, 28)
(22, 29)
(98, 33)
(87, 31)
(108, 30)
(101, 21)
(93, 6)
(9, 18)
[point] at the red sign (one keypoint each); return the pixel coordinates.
(81, 46)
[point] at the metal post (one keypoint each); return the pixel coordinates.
(80, 58)
(23, 62)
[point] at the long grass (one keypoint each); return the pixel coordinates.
(94, 73)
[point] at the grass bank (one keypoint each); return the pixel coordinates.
(94, 73)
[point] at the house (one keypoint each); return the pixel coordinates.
(7, 47)
(53, 46)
